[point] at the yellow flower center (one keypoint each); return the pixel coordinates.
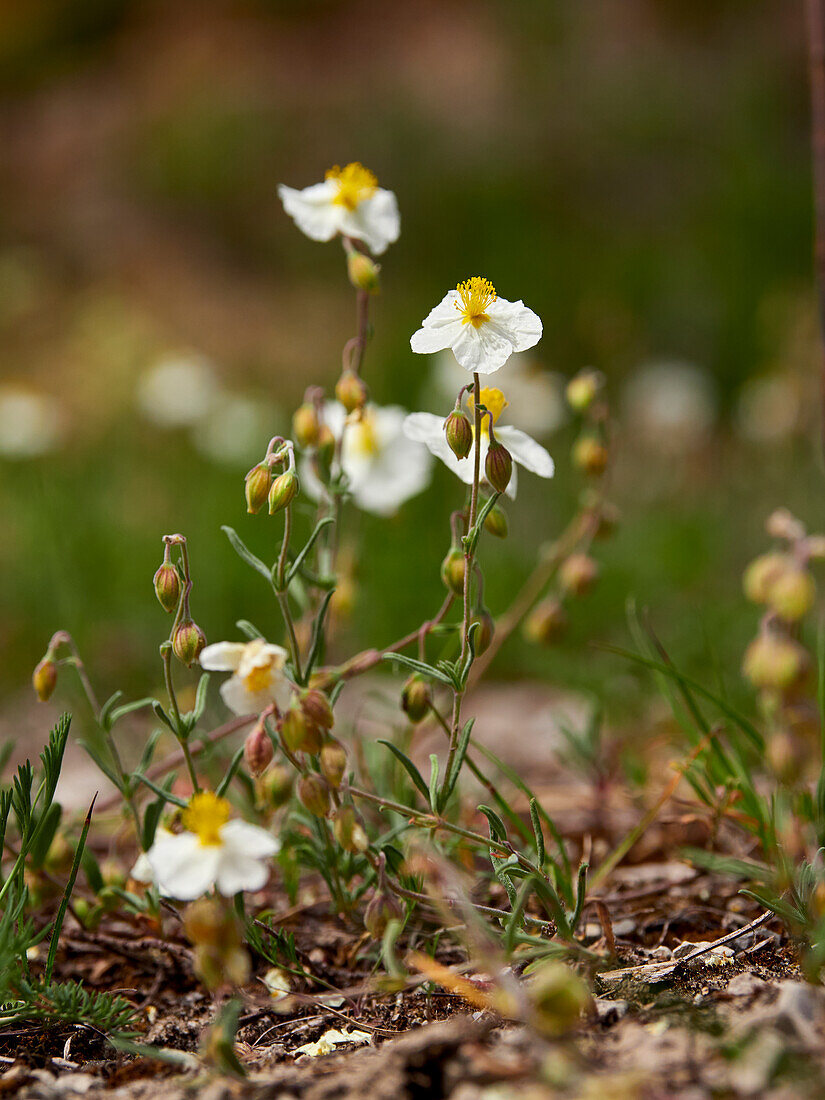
(493, 400)
(205, 816)
(474, 298)
(355, 183)
(259, 678)
(362, 438)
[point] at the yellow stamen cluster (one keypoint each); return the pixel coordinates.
(258, 678)
(362, 437)
(355, 183)
(474, 297)
(492, 399)
(205, 816)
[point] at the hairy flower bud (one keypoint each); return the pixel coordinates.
(578, 574)
(283, 491)
(258, 484)
(277, 786)
(496, 522)
(498, 466)
(590, 455)
(314, 794)
(167, 586)
(44, 678)
(316, 708)
(459, 433)
(348, 830)
(351, 391)
(416, 697)
(363, 272)
(305, 425)
(187, 642)
(761, 574)
(452, 570)
(333, 761)
(382, 908)
(257, 750)
(546, 623)
(775, 662)
(298, 734)
(792, 594)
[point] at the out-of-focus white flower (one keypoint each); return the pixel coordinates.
(670, 406)
(142, 869)
(332, 1039)
(30, 423)
(535, 396)
(232, 431)
(277, 983)
(231, 856)
(482, 329)
(428, 429)
(384, 468)
(178, 390)
(768, 409)
(349, 202)
(258, 678)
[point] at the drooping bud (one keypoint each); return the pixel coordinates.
(351, 391)
(277, 785)
(298, 734)
(314, 794)
(792, 594)
(363, 272)
(498, 466)
(547, 622)
(167, 586)
(774, 662)
(305, 425)
(559, 997)
(44, 678)
(257, 750)
(485, 632)
(496, 522)
(761, 574)
(348, 830)
(459, 433)
(283, 491)
(333, 762)
(416, 698)
(582, 389)
(382, 908)
(315, 706)
(590, 455)
(452, 570)
(258, 484)
(578, 574)
(187, 642)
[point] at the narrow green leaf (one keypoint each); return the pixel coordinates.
(516, 918)
(244, 553)
(128, 708)
(235, 763)
(419, 666)
(451, 778)
(162, 716)
(299, 560)
(317, 635)
(537, 831)
(410, 768)
(249, 629)
(105, 715)
(432, 793)
(200, 699)
(67, 893)
(167, 795)
(46, 829)
(581, 890)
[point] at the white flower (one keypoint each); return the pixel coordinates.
(277, 983)
(670, 406)
(332, 1039)
(258, 678)
(428, 429)
(482, 329)
(349, 202)
(231, 856)
(30, 423)
(383, 466)
(178, 390)
(231, 432)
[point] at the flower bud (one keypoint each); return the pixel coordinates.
(578, 574)
(324, 452)
(559, 997)
(283, 492)
(305, 425)
(792, 594)
(784, 756)
(590, 455)
(316, 708)
(363, 272)
(452, 570)
(44, 678)
(204, 922)
(382, 908)
(298, 734)
(257, 750)
(582, 389)
(485, 632)
(333, 762)
(546, 623)
(416, 697)
(498, 466)
(459, 433)
(781, 524)
(187, 642)
(496, 522)
(314, 794)
(774, 662)
(167, 586)
(351, 391)
(277, 786)
(761, 574)
(348, 831)
(258, 484)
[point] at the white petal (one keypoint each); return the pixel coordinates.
(142, 869)
(402, 473)
(526, 450)
(183, 867)
(375, 221)
(482, 350)
(515, 321)
(250, 840)
(425, 428)
(222, 656)
(237, 698)
(237, 873)
(313, 210)
(440, 328)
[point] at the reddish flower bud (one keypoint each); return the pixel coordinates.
(590, 455)
(314, 794)
(459, 433)
(258, 750)
(167, 586)
(315, 706)
(382, 908)
(498, 466)
(187, 642)
(333, 762)
(546, 623)
(578, 574)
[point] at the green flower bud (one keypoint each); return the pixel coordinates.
(187, 642)
(559, 997)
(44, 678)
(496, 522)
(792, 594)
(761, 574)
(416, 697)
(276, 785)
(583, 388)
(298, 734)
(314, 794)
(257, 750)
(324, 452)
(485, 632)
(498, 466)
(283, 492)
(590, 455)
(305, 425)
(333, 761)
(315, 706)
(351, 391)
(258, 484)
(578, 574)
(546, 623)
(452, 570)
(459, 433)
(167, 586)
(363, 272)
(382, 908)
(348, 830)
(774, 662)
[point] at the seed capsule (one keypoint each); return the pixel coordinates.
(188, 641)
(382, 908)
(333, 762)
(277, 785)
(761, 574)
(257, 750)
(498, 466)
(792, 594)
(546, 623)
(315, 706)
(582, 390)
(589, 455)
(348, 831)
(774, 662)
(298, 734)
(167, 586)
(283, 491)
(496, 522)
(314, 794)
(452, 571)
(459, 433)
(416, 697)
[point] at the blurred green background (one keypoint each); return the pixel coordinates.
(636, 170)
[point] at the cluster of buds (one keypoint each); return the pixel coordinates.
(173, 584)
(312, 434)
(776, 662)
(383, 906)
(548, 621)
(305, 728)
(265, 485)
(213, 931)
(590, 453)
